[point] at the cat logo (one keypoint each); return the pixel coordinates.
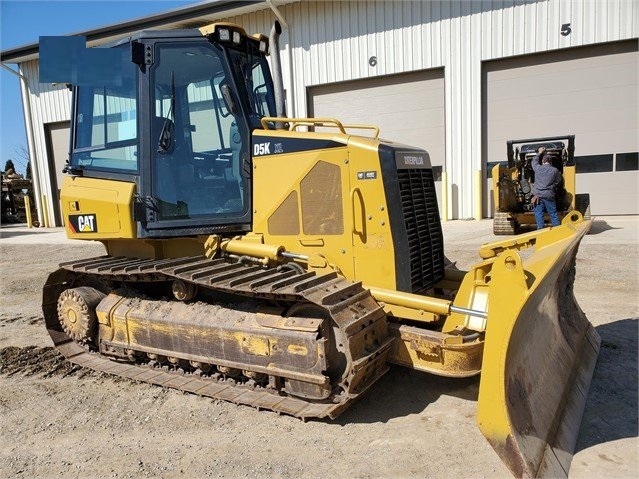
(83, 223)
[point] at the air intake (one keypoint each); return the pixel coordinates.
(423, 227)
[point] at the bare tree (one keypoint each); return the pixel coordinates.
(21, 156)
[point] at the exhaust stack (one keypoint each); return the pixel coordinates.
(276, 72)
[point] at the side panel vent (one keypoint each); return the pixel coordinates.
(321, 192)
(285, 220)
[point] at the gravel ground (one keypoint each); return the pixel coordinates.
(58, 420)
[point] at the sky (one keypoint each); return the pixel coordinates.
(22, 22)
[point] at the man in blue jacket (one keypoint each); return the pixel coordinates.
(547, 180)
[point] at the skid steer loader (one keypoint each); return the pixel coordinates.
(253, 261)
(513, 183)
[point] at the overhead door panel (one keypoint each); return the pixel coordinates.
(57, 138)
(591, 92)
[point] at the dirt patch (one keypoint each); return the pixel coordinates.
(31, 361)
(41, 362)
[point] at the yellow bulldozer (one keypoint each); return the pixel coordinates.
(15, 188)
(513, 183)
(250, 260)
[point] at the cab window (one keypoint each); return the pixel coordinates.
(196, 166)
(106, 124)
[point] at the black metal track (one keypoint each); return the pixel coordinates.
(359, 324)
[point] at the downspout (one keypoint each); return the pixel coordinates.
(26, 109)
(290, 94)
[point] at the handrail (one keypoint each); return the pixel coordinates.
(324, 122)
(362, 234)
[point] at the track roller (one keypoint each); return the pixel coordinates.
(183, 291)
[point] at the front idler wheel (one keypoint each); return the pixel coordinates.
(76, 312)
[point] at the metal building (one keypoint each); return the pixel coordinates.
(458, 78)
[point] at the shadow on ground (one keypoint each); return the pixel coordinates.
(402, 392)
(15, 234)
(600, 226)
(20, 230)
(611, 408)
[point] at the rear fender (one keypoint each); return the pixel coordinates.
(539, 353)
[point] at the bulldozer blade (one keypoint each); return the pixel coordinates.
(539, 354)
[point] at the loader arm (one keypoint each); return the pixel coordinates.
(539, 353)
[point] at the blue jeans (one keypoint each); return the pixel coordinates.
(546, 205)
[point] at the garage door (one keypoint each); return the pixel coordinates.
(408, 108)
(57, 138)
(591, 92)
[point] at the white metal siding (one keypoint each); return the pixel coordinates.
(49, 104)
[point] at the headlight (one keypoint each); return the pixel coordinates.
(225, 34)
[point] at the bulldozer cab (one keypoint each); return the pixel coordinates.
(521, 152)
(177, 123)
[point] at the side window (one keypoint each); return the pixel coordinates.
(91, 120)
(106, 125)
(121, 117)
(260, 91)
(252, 75)
(210, 130)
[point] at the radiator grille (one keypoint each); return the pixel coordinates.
(423, 227)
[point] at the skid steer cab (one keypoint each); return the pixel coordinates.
(251, 260)
(514, 181)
